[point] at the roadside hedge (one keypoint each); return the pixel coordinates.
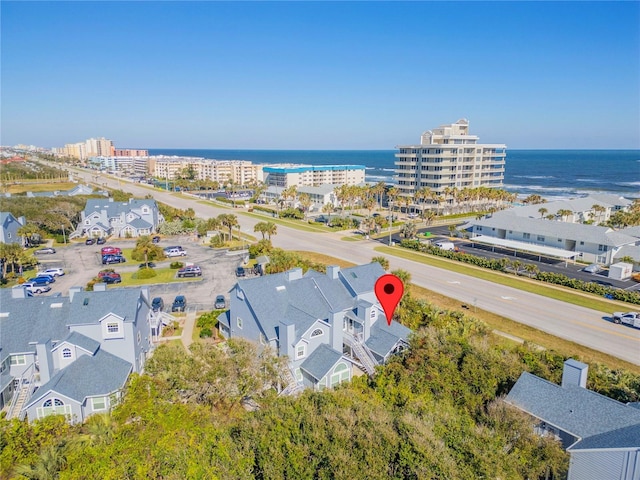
(547, 277)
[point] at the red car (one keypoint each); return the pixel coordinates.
(107, 273)
(110, 251)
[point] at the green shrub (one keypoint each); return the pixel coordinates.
(145, 273)
(176, 265)
(292, 213)
(217, 241)
(206, 333)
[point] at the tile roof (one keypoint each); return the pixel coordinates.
(576, 410)
(100, 374)
(321, 361)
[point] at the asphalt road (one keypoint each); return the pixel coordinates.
(578, 324)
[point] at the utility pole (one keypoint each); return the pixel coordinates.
(64, 235)
(390, 219)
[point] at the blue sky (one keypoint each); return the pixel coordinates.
(307, 75)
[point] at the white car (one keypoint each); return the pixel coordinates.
(35, 288)
(593, 268)
(175, 252)
(54, 272)
(629, 318)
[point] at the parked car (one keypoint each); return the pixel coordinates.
(89, 241)
(179, 304)
(147, 265)
(593, 268)
(111, 278)
(52, 272)
(175, 252)
(106, 272)
(321, 219)
(220, 303)
(110, 251)
(109, 259)
(240, 272)
(191, 271)
(630, 318)
(35, 288)
(156, 239)
(101, 241)
(445, 245)
(43, 280)
(45, 251)
(157, 304)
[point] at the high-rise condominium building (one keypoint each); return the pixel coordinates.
(448, 157)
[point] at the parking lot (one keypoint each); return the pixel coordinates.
(82, 262)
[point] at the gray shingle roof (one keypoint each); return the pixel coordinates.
(123, 302)
(384, 337)
(321, 361)
(99, 374)
(362, 278)
(86, 343)
(625, 437)
(576, 410)
(140, 223)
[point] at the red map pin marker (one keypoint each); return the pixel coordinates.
(389, 290)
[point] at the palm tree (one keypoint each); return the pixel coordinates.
(542, 211)
(408, 230)
(378, 190)
(146, 249)
(383, 261)
(563, 213)
(429, 216)
(405, 277)
(305, 202)
(599, 210)
(271, 229)
(328, 208)
(531, 269)
(229, 221)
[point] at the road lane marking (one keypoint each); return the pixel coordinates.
(593, 327)
(455, 282)
(508, 298)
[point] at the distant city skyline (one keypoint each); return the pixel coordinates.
(319, 75)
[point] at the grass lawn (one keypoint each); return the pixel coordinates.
(39, 187)
(288, 222)
(324, 259)
(164, 275)
(557, 292)
(354, 238)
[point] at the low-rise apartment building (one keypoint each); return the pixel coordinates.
(449, 157)
(239, 172)
(285, 176)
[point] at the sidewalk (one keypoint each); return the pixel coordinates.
(187, 330)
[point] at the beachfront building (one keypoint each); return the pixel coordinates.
(319, 196)
(130, 152)
(287, 175)
(446, 158)
(239, 172)
(91, 147)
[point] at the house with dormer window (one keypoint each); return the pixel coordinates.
(71, 355)
(325, 324)
(104, 217)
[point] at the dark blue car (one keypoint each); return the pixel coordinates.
(42, 280)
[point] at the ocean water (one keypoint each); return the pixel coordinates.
(553, 174)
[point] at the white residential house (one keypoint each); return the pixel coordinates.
(325, 324)
(104, 217)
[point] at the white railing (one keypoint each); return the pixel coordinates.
(22, 394)
(362, 352)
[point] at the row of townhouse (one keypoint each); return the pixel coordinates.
(595, 209)
(72, 355)
(325, 324)
(601, 435)
(319, 196)
(284, 176)
(105, 217)
(588, 243)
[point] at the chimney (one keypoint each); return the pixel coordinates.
(294, 274)
(332, 271)
(100, 287)
(72, 292)
(45, 360)
(574, 373)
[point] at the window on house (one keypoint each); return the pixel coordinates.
(8, 235)
(113, 327)
(66, 353)
(239, 322)
(301, 350)
(581, 243)
(540, 238)
(99, 403)
(139, 338)
(317, 333)
(602, 248)
(18, 360)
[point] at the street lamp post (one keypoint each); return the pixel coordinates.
(390, 220)
(64, 237)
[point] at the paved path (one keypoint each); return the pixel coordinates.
(187, 330)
